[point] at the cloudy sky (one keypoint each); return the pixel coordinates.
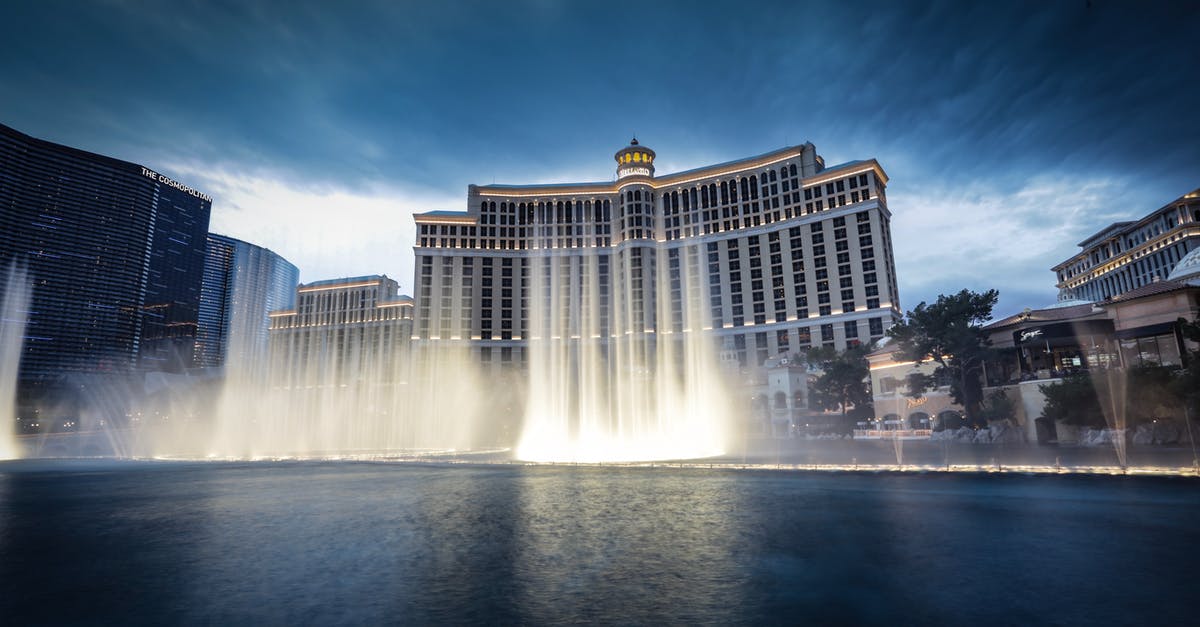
(1011, 131)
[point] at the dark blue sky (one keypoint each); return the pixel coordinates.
(1011, 131)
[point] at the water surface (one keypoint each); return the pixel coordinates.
(367, 543)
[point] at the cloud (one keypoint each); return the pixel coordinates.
(985, 234)
(328, 231)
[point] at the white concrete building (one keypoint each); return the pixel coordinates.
(1127, 255)
(767, 255)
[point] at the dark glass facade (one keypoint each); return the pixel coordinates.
(115, 252)
(243, 283)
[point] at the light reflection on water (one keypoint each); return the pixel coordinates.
(360, 543)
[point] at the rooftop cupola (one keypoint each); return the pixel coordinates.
(634, 160)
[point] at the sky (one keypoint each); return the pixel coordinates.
(1010, 131)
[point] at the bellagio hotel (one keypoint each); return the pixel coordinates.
(769, 254)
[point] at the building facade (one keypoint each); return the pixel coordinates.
(115, 253)
(1127, 255)
(243, 283)
(342, 332)
(766, 255)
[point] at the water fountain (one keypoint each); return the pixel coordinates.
(316, 399)
(1111, 386)
(13, 315)
(646, 389)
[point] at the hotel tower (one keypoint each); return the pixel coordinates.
(766, 255)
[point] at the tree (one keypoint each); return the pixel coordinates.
(950, 332)
(998, 406)
(1187, 384)
(1152, 393)
(1074, 401)
(844, 382)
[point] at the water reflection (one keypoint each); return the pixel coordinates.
(370, 543)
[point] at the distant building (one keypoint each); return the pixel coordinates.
(341, 332)
(243, 283)
(115, 252)
(1127, 255)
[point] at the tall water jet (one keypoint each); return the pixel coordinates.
(13, 316)
(1112, 388)
(631, 379)
(341, 380)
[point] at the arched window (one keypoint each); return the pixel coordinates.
(792, 169)
(753, 187)
(637, 194)
(773, 176)
(780, 400)
(724, 193)
(745, 191)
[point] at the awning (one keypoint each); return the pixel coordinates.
(1163, 328)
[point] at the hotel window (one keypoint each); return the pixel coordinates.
(876, 326)
(851, 328)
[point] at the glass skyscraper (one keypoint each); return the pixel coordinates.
(115, 253)
(243, 283)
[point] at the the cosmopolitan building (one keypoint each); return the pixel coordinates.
(342, 331)
(115, 252)
(769, 255)
(243, 283)
(1127, 255)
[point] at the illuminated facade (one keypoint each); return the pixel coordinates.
(779, 252)
(1127, 255)
(342, 331)
(243, 283)
(115, 252)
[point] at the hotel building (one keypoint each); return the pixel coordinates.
(243, 283)
(769, 255)
(1127, 255)
(342, 331)
(115, 252)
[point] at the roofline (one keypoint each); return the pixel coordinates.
(1128, 225)
(1098, 235)
(681, 178)
(113, 162)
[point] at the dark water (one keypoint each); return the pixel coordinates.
(361, 543)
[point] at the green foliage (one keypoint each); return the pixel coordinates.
(950, 331)
(998, 406)
(1074, 401)
(844, 382)
(1186, 385)
(1152, 393)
